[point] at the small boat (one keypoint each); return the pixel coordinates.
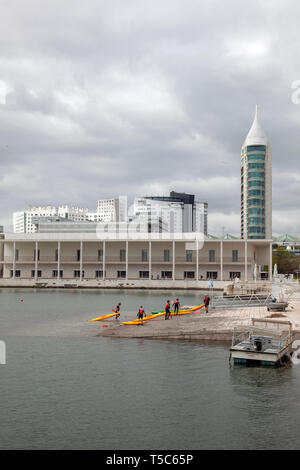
(267, 342)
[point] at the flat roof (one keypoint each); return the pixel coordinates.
(84, 236)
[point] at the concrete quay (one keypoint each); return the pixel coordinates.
(216, 325)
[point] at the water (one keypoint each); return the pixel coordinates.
(65, 388)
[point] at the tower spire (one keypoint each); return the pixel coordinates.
(256, 135)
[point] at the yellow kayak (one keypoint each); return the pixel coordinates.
(104, 317)
(190, 310)
(135, 322)
(152, 316)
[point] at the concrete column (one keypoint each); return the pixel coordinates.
(221, 260)
(14, 260)
(103, 264)
(126, 260)
(173, 260)
(246, 260)
(271, 264)
(36, 261)
(81, 246)
(197, 260)
(150, 260)
(58, 260)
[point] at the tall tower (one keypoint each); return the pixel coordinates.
(256, 184)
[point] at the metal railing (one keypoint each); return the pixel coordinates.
(240, 301)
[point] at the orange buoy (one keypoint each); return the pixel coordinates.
(104, 326)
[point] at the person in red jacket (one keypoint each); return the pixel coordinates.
(176, 306)
(206, 302)
(167, 310)
(141, 314)
(117, 310)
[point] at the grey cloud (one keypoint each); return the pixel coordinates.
(119, 97)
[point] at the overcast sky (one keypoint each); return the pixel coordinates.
(101, 98)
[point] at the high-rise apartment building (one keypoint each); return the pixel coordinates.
(256, 184)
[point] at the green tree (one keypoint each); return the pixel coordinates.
(286, 262)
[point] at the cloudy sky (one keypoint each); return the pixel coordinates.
(101, 98)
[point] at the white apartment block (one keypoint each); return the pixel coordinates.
(22, 221)
(25, 221)
(113, 209)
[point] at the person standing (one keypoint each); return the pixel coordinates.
(167, 310)
(141, 314)
(206, 302)
(117, 310)
(176, 307)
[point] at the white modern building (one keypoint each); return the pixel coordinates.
(113, 209)
(162, 216)
(179, 212)
(28, 221)
(24, 221)
(113, 257)
(256, 184)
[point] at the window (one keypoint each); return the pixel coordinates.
(56, 254)
(78, 256)
(144, 255)
(144, 274)
(55, 273)
(77, 273)
(256, 174)
(17, 255)
(211, 275)
(38, 255)
(166, 256)
(235, 255)
(256, 230)
(99, 274)
(189, 274)
(256, 220)
(254, 148)
(256, 157)
(166, 274)
(122, 255)
(212, 255)
(189, 255)
(100, 255)
(256, 192)
(17, 273)
(39, 273)
(255, 211)
(256, 166)
(121, 274)
(234, 274)
(256, 184)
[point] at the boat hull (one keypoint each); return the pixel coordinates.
(263, 358)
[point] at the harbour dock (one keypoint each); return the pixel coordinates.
(216, 325)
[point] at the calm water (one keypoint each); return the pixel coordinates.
(64, 388)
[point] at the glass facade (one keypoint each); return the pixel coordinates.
(255, 161)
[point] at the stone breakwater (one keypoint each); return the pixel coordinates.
(216, 325)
